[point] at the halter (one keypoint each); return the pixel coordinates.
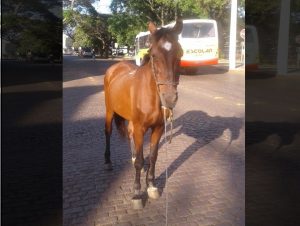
(165, 109)
(158, 82)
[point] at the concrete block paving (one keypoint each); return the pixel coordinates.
(206, 175)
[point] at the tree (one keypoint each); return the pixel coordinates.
(69, 23)
(85, 25)
(124, 27)
(81, 39)
(32, 25)
(131, 16)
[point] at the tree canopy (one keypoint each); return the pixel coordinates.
(33, 25)
(131, 16)
(84, 24)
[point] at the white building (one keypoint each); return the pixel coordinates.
(67, 44)
(7, 50)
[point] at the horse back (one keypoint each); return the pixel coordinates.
(118, 70)
(118, 81)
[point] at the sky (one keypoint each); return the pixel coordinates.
(102, 6)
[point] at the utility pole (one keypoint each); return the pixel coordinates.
(283, 40)
(232, 40)
(72, 3)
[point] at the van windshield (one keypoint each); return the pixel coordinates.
(198, 30)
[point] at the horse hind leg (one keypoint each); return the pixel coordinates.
(108, 131)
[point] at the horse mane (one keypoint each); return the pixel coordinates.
(145, 59)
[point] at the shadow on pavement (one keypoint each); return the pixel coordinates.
(259, 131)
(22, 73)
(31, 149)
(75, 67)
(272, 173)
(83, 92)
(204, 129)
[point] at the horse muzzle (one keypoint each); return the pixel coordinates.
(169, 100)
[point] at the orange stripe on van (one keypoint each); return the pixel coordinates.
(251, 67)
(194, 63)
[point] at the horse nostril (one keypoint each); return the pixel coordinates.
(170, 97)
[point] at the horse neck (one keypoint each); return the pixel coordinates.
(148, 77)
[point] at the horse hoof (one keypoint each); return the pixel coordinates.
(153, 192)
(108, 166)
(137, 203)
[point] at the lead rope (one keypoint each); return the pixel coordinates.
(166, 150)
(170, 119)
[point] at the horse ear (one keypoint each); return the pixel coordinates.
(178, 26)
(151, 27)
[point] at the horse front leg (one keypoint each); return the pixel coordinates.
(155, 138)
(138, 138)
(131, 141)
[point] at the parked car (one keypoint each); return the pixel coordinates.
(87, 52)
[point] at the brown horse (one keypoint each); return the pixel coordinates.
(139, 94)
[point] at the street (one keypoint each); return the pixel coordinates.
(31, 143)
(206, 159)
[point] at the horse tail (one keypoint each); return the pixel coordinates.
(120, 124)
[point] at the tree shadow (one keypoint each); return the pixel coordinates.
(31, 156)
(22, 73)
(78, 68)
(204, 129)
(81, 93)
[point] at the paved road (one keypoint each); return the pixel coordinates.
(31, 142)
(205, 159)
(273, 148)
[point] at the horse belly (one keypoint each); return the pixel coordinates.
(120, 98)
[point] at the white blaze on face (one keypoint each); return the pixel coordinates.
(167, 46)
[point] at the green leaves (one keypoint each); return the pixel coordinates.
(131, 16)
(86, 26)
(124, 27)
(32, 25)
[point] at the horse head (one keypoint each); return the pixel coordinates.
(165, 53)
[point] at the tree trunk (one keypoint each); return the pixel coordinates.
(106, 51)
(162, 16)
(221, 39)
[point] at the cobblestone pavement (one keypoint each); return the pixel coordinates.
(205, 159)
(272, 147)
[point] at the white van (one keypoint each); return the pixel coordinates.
(252, 48)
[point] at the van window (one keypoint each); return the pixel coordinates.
(198, 30)
(144, 42)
